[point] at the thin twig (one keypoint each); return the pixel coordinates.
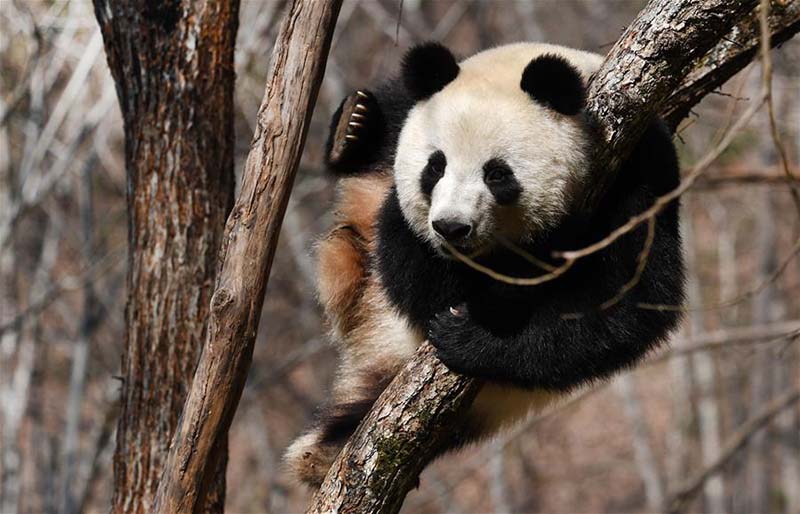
(766, 64)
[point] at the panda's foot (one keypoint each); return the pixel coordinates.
(308, 458)
(357, 127)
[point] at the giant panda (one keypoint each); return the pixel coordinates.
(486, 158)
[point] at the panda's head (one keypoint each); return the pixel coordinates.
(494, 148)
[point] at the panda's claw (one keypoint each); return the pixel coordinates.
(356, 130)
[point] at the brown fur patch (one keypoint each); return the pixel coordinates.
(342, 265)
(344, 254)
(359, 200)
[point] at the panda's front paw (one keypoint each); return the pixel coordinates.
(450, 334)
(358, 126)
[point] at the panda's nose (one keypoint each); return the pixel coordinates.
(451, 230)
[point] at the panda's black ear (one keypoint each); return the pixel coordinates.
(427, 68)
(551, 80)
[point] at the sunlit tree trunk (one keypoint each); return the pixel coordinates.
(172, 62)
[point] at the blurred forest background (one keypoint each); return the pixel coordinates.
(617, 449)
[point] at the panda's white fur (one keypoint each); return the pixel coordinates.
(484, 114)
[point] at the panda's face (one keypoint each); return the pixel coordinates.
(480, 162)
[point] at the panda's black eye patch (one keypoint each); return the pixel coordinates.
(432, 172)
(500, 179)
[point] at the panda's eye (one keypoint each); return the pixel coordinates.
(433, 172)
(496, 172)
(500, 180)
(495, 175)
(436, 165)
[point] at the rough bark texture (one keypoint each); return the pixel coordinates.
(413, 420)
(730, 55)
(172, 62)
(251, 235)
(382, 460)
(648, 62)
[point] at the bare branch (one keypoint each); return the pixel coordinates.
(755, 179)
(644, 67)
(729, 56)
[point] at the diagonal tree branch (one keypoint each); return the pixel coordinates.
(735, 51)
(644, 67)
(382, 460)
(397, 439)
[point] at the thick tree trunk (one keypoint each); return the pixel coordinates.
(172, 62)
(730, 55)
(251, 235)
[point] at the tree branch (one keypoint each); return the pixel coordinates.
(403, 431)
(651, 59)
(411, 422)
(251, 235)
(735, 51)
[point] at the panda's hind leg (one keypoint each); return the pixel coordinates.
(310, 456)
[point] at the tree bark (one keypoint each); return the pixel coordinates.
(172, 63)
(648, 62)
(411, 421)
(729, 56)
(251, 235)
(375, 470)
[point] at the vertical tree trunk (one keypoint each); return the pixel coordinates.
(251, 236)
(645, 458)
(172, 62)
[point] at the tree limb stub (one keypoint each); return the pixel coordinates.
(425, 397)
(251, 234)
